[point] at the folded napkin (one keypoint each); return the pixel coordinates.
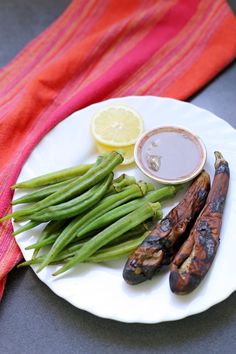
(97, 50)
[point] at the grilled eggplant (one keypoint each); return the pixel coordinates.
(195, 257)
(164, 240)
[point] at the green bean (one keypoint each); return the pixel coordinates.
(122, 181)
(115, 252)
(73, 247)
(42, 243)
(143, 187)
(136, 232)
(148, 186)
(160, 194)
(60, 258)
(28, 226)
(104, 255)
(132, 234)
(75, 206)
(41, 193)
(146, 211)
(53, 177)
(39, 260)
(32, 261)
(94, 175)
(64, 193)
(116, 213)
(52, 228)
(69, 233)
(70, 251)
(163, 193)
(47, 239)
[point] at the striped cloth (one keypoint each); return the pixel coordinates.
(99, 49)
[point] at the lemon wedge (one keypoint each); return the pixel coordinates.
(116, 125)
(126, 151)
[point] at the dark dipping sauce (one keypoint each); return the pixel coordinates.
(170, 153)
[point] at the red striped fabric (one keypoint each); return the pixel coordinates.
(99, 49)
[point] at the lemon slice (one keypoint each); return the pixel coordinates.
(126, 151)
(117, 125)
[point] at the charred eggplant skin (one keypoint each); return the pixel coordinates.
(164, 240)
(195, 257)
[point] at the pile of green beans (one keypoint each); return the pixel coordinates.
(90, 216)
(146, 211)
(95, 174)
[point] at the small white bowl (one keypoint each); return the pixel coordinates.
(170, 154)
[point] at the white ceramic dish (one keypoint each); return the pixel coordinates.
(100, 289)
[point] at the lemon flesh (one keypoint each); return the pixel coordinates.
(116, 126)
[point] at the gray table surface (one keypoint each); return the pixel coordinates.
(33, 319)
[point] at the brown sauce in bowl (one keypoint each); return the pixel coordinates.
(170, 154)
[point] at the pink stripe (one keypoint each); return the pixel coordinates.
(2, 286)
(192, 54)
(5, 241)
(165, 59)
(12, 257)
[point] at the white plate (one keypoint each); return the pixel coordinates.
(100, 289)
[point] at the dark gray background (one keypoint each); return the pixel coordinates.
(33, 319)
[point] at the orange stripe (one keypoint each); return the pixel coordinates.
(212, 59)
